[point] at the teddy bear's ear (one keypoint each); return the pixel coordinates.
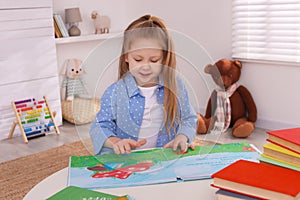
(238, 64)
(208, 68)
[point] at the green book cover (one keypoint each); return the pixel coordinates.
(77, 193)
(274, 161)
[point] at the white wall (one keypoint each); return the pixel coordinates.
(275, 88)
(208, 23)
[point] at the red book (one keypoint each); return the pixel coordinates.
(286, 138)
(259, 180)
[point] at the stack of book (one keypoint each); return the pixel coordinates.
(283, 148)
(252, 180)
(60, 29)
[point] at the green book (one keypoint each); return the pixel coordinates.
(77, 193)
(274, 161)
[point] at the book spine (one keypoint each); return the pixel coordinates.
(56, 29)
(61, 25)
(238, 192)
(274, 142)
(281, 160)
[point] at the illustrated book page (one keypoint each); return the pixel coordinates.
(159, 165)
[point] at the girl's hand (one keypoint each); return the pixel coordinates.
(180, 141)
(124, 146)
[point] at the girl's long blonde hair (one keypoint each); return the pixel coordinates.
(152, 27)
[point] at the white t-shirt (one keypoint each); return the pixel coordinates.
(152, 119)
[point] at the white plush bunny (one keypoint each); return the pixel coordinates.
(73, 84)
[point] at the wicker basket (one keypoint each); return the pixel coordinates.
(80, 111)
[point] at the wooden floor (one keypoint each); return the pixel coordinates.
(15, 147)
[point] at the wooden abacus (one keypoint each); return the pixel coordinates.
(33, 117)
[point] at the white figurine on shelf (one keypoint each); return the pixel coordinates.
(73, 84)
(101, 23)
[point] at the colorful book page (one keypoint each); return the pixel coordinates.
(154, 166)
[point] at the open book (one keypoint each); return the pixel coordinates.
(154, 166)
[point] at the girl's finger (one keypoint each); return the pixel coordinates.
(116, 149)
(192, 146)
(142, 142)
(183, 146)
(127, 148)
(176, 144)
(122, 148)
(132, 144)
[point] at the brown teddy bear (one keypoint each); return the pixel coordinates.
(231, 104)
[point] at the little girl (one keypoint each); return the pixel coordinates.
(148, 106)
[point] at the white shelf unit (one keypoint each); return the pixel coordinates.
(86, 38)
(28, 57)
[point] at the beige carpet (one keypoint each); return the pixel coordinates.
(19, 176)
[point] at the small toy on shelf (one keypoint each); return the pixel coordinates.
(101, 23)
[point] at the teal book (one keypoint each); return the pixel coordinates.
(158, 165)
(77, 193)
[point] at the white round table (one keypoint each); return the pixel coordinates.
(199, 189)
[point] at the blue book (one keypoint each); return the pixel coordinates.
(227, 195)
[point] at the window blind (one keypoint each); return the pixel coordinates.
(267, 30)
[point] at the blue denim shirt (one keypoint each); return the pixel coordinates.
(122, 109)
